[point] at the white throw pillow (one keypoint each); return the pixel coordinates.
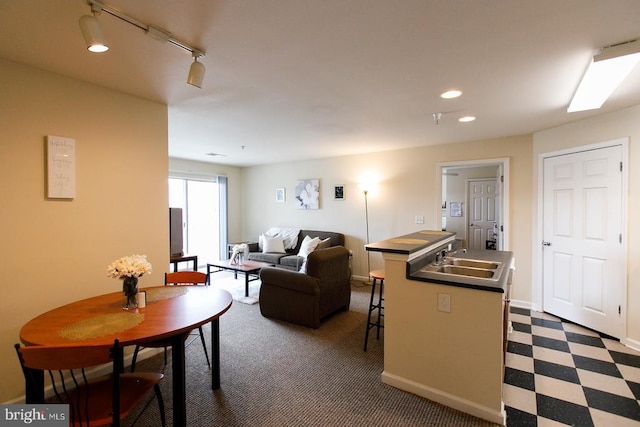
(308, 245)
(272, 244)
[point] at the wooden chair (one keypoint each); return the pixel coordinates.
(178, 278)
(96, 401)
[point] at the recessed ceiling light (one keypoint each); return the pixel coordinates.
(454, 93)
(466, 119)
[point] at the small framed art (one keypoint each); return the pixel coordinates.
(280, 194)
(61, 167)
(338, 192)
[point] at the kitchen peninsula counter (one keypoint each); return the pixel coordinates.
(442, 341)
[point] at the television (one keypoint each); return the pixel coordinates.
(175, 232)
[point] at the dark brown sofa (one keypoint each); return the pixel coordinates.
(305, 299)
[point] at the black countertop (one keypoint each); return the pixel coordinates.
(411, 243)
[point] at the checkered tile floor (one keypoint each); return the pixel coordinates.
(558, 373)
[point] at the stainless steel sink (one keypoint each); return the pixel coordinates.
(465, 271)
(475, 263)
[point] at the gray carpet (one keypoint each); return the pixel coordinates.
(279, 374)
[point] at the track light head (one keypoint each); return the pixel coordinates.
(196, 72)
(92, 31)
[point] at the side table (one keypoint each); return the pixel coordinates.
(184, 258)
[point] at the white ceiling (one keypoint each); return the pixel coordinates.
(290, 80)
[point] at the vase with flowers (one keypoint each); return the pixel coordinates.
(240, 253)
(129, 269)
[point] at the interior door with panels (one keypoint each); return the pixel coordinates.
(583, 255)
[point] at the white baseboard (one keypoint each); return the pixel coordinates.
(521, 304)
(364, 279)
(447, 399)
(631, 343)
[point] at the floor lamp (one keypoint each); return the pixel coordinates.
(366, 212)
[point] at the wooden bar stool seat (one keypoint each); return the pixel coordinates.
(376, 275)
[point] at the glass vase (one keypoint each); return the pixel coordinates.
(130, 291)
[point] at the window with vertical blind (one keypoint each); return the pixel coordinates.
(203, 201)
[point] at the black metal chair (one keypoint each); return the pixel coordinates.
(92, 401)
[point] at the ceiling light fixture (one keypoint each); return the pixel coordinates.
(92, 32)
(607, 70)
(466, 119)
(450, 94)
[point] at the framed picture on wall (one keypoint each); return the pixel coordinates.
(338, 192)
(455, 209)
(307, 194)
(280, 194)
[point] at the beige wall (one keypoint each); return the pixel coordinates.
(54, 251)
(406, 188)
(622, 124)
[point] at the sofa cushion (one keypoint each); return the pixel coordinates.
(272, 244)
(324, 244)
(271, 258)
(293, 262)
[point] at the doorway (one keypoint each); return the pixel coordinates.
(583, 250)
(454, 204)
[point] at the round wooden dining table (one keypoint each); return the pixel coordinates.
(171, 312)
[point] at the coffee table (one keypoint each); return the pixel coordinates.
(249, 268)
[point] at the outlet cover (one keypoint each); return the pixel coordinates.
(419, 219)
(444, 303)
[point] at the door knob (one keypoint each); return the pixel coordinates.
(546, 243)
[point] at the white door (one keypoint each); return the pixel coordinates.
(583, 257)
(482, 212)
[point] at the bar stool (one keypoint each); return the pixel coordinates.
(375, 275)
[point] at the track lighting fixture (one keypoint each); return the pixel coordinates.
(95, 39)
(196, 72)
(92, 31)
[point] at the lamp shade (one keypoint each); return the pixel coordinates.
(196, 74)
(92, 33)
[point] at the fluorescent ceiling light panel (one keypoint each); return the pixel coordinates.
(607, 70)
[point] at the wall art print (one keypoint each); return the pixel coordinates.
(307, 194)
